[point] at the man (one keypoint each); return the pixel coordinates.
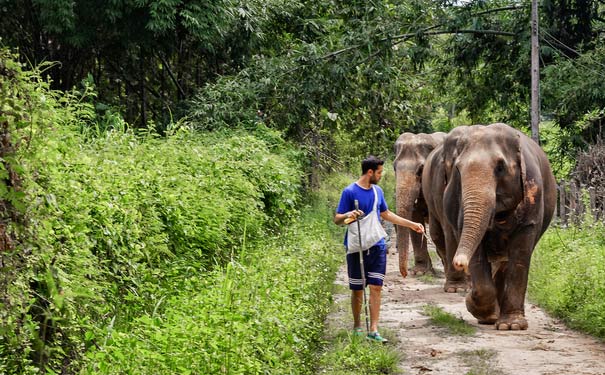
(365, 191)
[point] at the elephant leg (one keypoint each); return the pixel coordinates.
(512, 282)
(482, 300)
(455, 281)
(422, 259)
(436, 233)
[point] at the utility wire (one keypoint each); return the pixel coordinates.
(574, 61)
(557, 41)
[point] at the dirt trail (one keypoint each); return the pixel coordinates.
(546, 348)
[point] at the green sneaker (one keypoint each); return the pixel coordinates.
(358, 331)
(375, 336)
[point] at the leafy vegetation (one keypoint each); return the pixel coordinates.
(454, 325)
(178, 158)
(350, 354)
(566, 276)
(131, 240)
(237, 318)
(340, 79)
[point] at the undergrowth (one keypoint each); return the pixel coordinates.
(567, 273)
(261, 313)
(454, 325)
(155, 255)
(350, 354)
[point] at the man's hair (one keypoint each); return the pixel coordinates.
(371, 162)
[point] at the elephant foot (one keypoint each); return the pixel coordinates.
(512, 322)
(489, 320)
(485, 314)
(456, 286)
(420, 270)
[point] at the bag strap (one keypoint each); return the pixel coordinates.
(375, 199)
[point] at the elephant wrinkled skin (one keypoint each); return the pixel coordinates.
(498, 199)
(442, 234)
(411, 151)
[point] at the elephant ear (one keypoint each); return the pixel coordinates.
(398, 149)
(522, 165)
(450, 152)
(521, 159)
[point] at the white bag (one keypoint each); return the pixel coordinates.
(371, 230)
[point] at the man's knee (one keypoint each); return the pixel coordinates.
(375, 288)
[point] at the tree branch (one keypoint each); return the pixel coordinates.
(495, 10)
(403, 37)
(176, 82)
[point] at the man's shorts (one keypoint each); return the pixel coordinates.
(374, 265)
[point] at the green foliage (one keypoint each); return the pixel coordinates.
(356, 355)
(31, 300)
(566, 276)
(343, 93)
(444, 121)
(556, 144)
(151, 212)
(115, 223)
(454, 325)
(573, 96)
(144, 56)
(486, 74)
(237, 319)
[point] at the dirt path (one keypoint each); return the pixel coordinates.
(546, 348)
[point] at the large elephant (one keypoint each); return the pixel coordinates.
(411, 151)
(442, 234)
(498, 200)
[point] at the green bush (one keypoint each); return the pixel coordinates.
(115, 222)
(566, 276)
(240, 319)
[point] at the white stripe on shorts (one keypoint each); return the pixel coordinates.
(376, 275)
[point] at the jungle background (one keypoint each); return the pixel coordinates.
(170, 168)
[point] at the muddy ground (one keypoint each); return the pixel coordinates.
(547, 347)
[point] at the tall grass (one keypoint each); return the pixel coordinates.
(154, 255)
(262, 313)
(567, 276)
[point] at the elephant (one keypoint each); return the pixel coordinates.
(442, 234)
(411, 151)
(498, 199)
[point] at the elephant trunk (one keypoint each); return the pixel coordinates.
(478, 203)
(407, 192)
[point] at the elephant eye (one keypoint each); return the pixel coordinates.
(500, 167)
(419, 170)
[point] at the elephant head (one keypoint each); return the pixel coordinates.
(499, 198)
(485, 169)
(411, 151)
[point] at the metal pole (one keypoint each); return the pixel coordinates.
(535, 74)
(363, 273)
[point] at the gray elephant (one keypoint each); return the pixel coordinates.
(443, 234)
(498, 199)
(411, 151)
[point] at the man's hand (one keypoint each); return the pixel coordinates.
(417, 227)
(353, 215)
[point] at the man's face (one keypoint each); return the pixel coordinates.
(376, 175)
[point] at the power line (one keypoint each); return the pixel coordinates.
(571, 49)
(575, 61)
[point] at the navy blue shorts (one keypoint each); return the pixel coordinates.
(374, 265)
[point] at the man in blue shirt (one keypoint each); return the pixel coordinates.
(365, 191)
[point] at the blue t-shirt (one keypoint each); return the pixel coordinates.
(366, 202)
